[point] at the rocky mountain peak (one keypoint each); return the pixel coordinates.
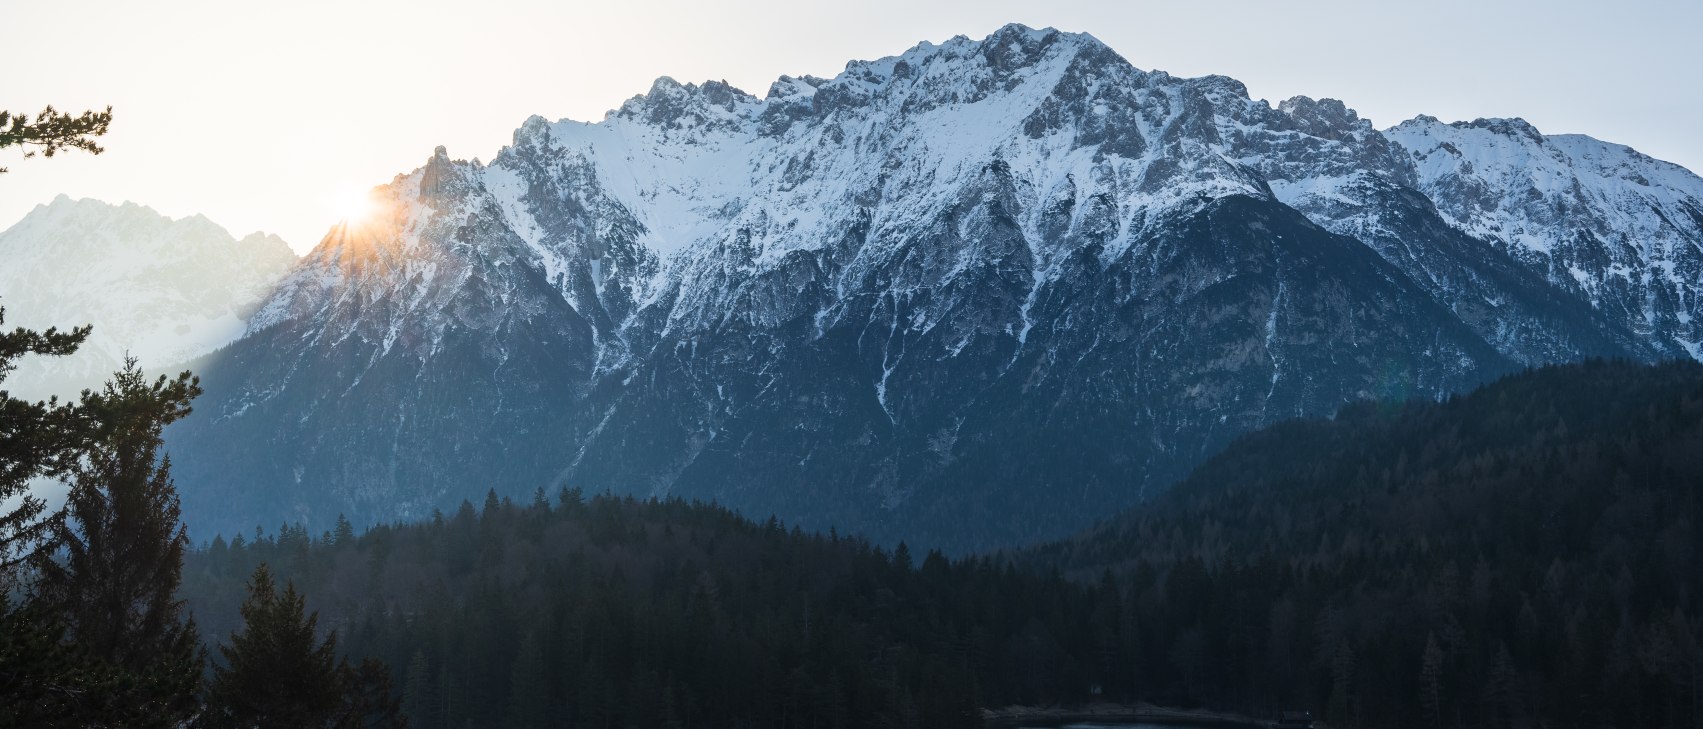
(444, 179)
(534, 132)
(787, 87)
(1018, 46)
(1515, 127)
(672, 105)
(1325, 118)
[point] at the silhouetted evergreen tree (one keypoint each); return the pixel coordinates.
(369, 697)
(419, 694)
(276, 671)
(43, 681)
(344, 532)
(114, 577)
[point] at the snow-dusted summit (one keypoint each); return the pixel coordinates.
(976, 292)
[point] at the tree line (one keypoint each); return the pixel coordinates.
(611, 611)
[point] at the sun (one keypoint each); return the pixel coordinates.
(353, 204)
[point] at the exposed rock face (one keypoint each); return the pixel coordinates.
(977, 293)
(161, 290)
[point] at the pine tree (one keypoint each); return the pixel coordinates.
(1342, 683)
(115, 576)
(450, 709)
(344, 534)
(1501, 692)
(1431, 680)
(419, 694)
(277, 672)
(370, 700)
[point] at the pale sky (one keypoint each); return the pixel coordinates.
(262, 115)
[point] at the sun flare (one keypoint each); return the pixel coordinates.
(353, 204)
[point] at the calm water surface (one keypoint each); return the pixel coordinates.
(1138, 725)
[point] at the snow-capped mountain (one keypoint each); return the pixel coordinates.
(162, 290)
(977, 292)
(1602, 219)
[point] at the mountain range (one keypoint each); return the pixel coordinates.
(981, 292)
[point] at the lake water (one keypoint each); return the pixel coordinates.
(1095, 725)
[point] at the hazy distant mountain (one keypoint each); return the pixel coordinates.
(979, 292)
(160, 289)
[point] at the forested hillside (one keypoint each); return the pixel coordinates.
(612, 612)
(1524, 555)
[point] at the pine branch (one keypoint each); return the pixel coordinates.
(53, 131)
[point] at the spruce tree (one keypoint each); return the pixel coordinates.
(344, 534)
(1430, 681)
(276, 672)
(419, 693)
(115, 574)
(369, 697)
